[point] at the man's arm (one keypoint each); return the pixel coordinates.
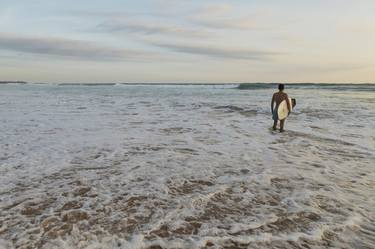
(288, 103)
(272, 102)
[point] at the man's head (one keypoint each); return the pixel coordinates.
(281, 87)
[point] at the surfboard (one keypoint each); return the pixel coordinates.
(282, 111)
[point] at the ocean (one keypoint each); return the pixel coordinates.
(186, 166)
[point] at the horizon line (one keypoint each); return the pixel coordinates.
(182, 83)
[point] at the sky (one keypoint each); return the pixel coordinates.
(205, 41)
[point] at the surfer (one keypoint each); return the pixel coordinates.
(277, 98)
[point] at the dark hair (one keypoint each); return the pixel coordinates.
(281, 87)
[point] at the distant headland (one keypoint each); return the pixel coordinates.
(12, 82)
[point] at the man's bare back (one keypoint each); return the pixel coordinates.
(277, 98)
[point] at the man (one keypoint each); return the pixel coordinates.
(278, 98)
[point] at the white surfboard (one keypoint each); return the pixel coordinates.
(283, 111)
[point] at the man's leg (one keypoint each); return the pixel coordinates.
(274, 125)
(282, 125)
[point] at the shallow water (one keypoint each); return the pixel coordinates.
(185, 167)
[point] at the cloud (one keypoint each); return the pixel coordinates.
(331, 68)
(216, 52)
(226, 23)
(64, 47)
(215, 9)
(225, 16)
(151, 29)
(95, 14)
